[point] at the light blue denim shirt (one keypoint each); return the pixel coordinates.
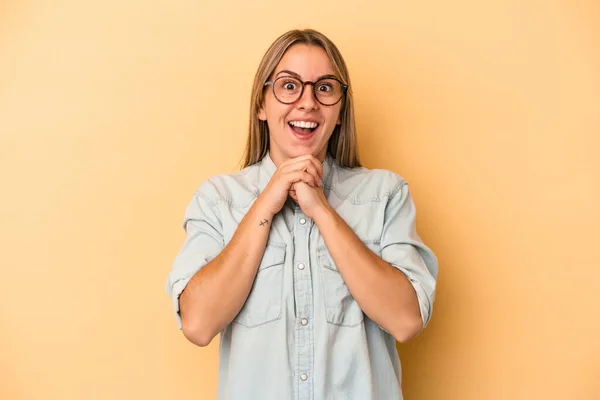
(300, 335)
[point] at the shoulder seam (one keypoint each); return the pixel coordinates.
(205, 197)
(397, 188)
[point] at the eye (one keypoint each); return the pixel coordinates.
(290, 85)
(324, 87)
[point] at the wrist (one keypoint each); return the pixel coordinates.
(261, 211)
(323, 214)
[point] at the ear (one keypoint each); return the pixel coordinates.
(262, 115)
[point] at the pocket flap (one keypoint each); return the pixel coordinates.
(274, 255)
(325, 259)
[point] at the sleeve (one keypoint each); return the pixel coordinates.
(204, 241)
(402, 247)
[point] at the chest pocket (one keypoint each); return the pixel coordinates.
(340, 306)
(263, 304)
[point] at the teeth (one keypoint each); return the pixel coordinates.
(304, 124)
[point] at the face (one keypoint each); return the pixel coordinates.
(291, 129)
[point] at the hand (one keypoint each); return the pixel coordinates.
(310, 199)
(304, 169)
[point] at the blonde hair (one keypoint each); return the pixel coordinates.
(342, 144)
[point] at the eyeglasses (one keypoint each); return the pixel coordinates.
(327, 91)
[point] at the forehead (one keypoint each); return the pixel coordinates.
(310, 62)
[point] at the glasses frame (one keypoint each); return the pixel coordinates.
(304, 83)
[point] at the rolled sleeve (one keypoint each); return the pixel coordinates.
(204, 241)
(402, 247)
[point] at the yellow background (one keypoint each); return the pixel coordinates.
(113, 112)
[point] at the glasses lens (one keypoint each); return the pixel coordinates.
(287, 89)
(328, 91)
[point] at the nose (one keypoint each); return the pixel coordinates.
(307, 101)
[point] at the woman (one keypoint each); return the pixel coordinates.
(308, 265)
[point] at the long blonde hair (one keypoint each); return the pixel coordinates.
(343, 144)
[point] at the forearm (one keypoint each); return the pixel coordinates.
(217, 292)
(381, 290)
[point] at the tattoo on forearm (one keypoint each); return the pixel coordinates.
(264, 222)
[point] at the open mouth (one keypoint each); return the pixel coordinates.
(303, 127)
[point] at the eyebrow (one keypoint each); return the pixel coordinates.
(295, 75)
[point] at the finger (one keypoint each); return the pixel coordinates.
(312, 180)
(299, 165)
(305, 158)
(295, 159)
(313, 171)
(303, 176)
(318, 165)
(311, 165)
(312, 160)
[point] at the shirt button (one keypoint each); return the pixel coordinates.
(301, 266)
(302, 221)
(304, 377)
(304, 321)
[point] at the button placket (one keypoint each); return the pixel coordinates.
(303, 294)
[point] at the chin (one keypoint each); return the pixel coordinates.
(299, 151)
(294, 151)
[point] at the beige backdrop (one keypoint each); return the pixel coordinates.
(113, 112)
